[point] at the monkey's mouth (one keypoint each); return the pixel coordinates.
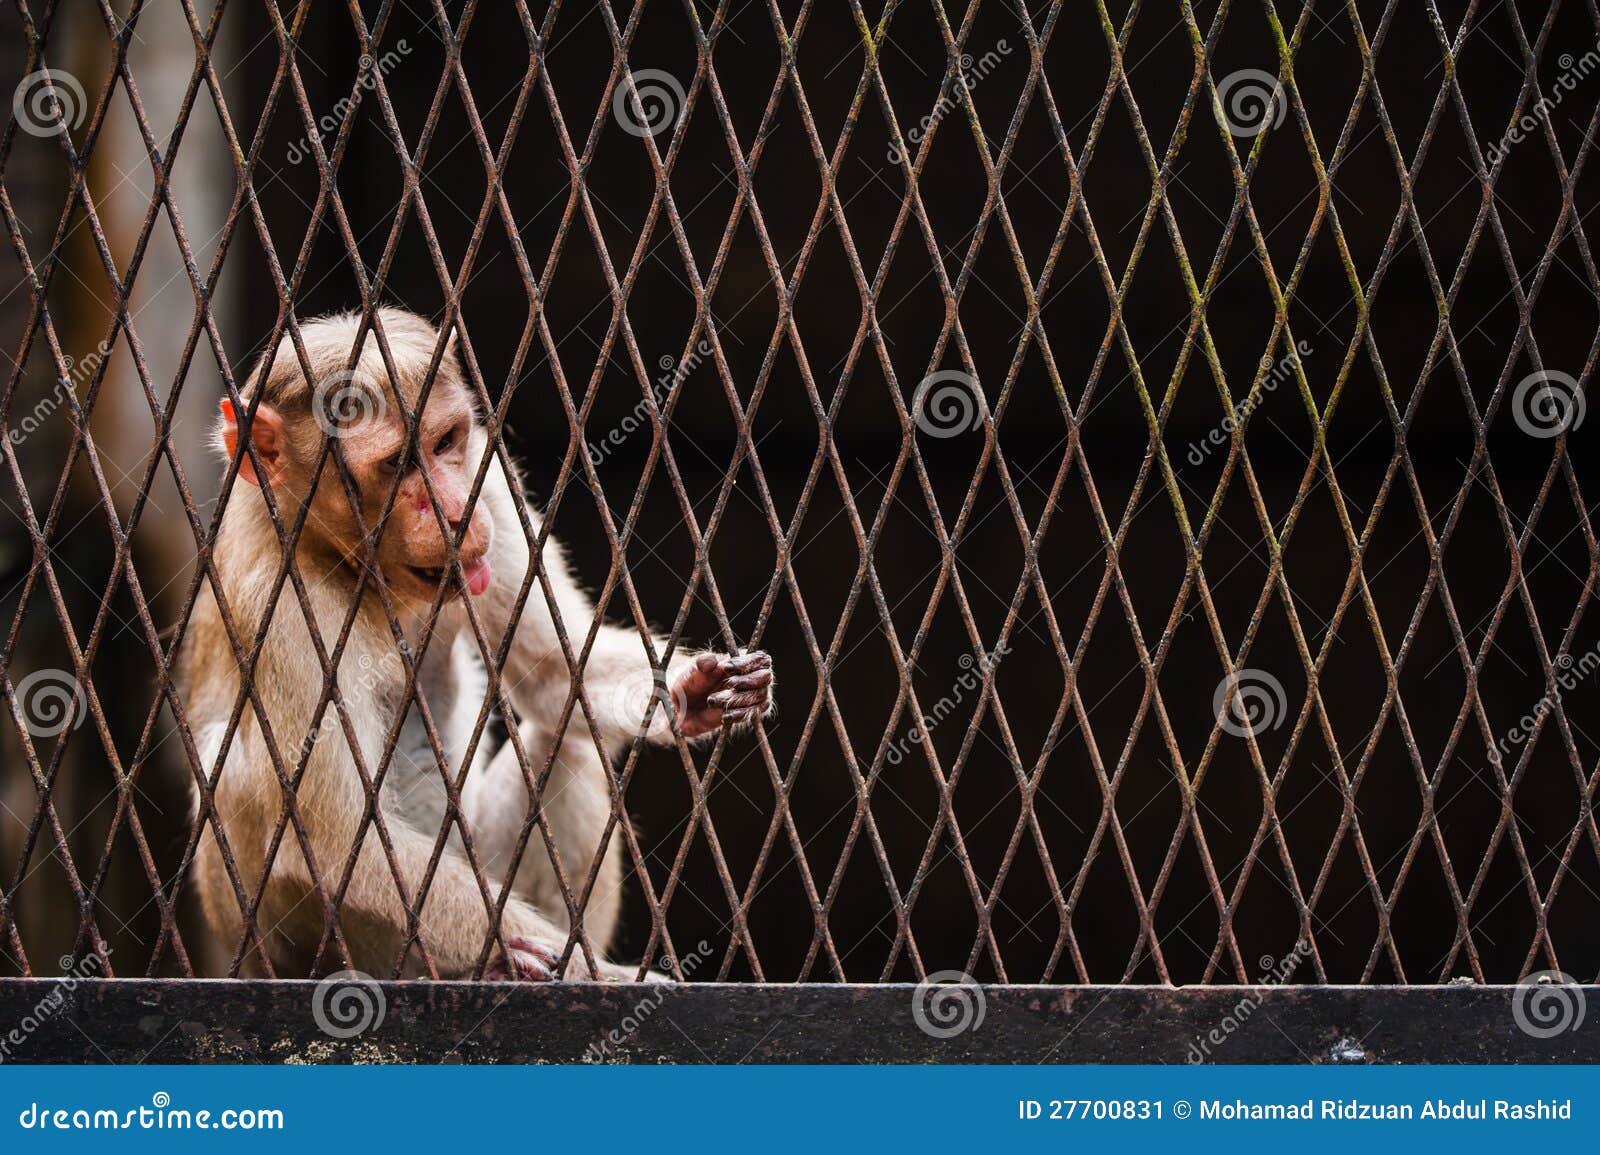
(476, 573)
(431, 575)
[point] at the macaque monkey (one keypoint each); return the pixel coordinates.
(708, 691)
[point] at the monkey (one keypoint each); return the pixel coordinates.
(277, 685)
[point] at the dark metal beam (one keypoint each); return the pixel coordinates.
(220, 1021)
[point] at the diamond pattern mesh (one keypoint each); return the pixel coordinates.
(1143, 434)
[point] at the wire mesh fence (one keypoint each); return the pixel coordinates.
(1148, 439)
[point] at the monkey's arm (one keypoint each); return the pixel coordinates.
(706, 689)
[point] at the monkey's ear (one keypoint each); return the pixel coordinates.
(266, 434)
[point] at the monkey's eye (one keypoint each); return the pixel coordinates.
(391, 463)
(445, 443)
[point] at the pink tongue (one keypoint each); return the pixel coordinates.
(477, 575)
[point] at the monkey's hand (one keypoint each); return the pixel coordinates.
(524, 961)
(721, 690)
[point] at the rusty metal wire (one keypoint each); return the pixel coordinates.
(1202, 854)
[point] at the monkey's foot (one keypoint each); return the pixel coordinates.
(524, 961)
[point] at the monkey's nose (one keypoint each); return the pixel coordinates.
(451, 508)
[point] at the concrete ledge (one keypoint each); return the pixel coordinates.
(232, 1021)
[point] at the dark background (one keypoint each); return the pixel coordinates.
(847, 597)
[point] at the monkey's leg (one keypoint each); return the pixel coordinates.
(576, 804)
(220, 906)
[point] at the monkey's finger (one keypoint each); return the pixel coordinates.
(547, 955)
(530, 969)
(711, 671)
(740, 717)
(533, 971)
(753, 681)
(514, 966)
(749, 663)
(707, 672)
(730, 700)
(534, 947)
(532, 961)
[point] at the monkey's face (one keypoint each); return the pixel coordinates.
(298, 413)
(413, 551)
